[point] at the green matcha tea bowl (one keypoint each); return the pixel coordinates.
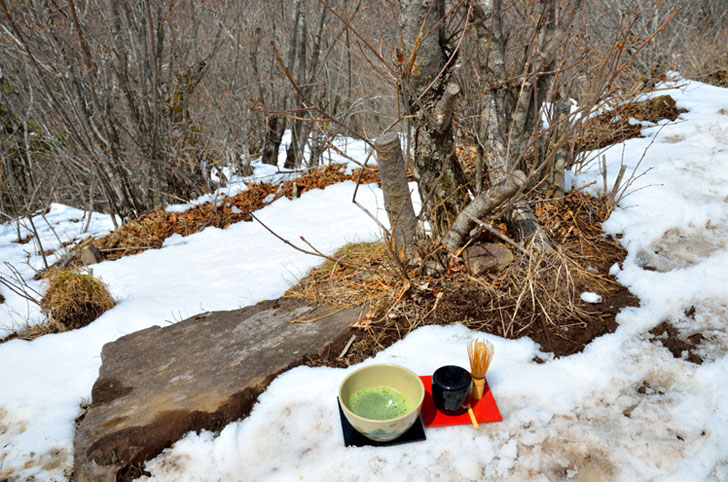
(381, 401)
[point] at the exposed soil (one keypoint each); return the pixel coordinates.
(560, 340)
(537, 297)
(684, 348)
(566, 340)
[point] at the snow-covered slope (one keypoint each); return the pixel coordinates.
(625, 409)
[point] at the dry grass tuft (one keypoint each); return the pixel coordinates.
(536, 296)
(31, 332)
(363, 274)
(544, 289)
(73, 300)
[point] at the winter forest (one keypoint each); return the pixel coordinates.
(548, 175)
(123, 107)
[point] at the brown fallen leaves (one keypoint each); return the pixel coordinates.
(616, 126)
(575, 215)
(151, 229)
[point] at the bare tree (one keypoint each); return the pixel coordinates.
(681, 36)
(135, 101)
(313, 54)
(515, 82)
(113, 82)
(127, 104)
(511, 67)
(429, 93)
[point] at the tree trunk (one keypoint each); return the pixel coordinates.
(429, 95)
(512, 100)
(397, 198)
(318, 147)
(295, 151)
(275, 125)
(483, 204)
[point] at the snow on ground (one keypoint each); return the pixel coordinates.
(347, 151)
(624, 409)
(60, 223)
(43, 383)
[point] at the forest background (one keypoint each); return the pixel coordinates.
(126, 106)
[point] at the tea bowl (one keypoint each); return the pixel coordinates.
(381, 380)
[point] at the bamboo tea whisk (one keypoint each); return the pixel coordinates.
(480, 353)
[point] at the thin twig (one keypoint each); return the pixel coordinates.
(346, 347)
(19, 286)
(37, 239)
(358, 35)
(298, 248)
(312, 105)
(326, 313)
(53, 230)
(405, 288)
(502, 236)
(107, 250)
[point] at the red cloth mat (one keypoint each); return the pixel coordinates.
(485, 409)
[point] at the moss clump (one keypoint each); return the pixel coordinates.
(73, 300)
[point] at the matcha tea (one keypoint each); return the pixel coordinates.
(379, 403)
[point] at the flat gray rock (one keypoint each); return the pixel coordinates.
(483, 258)
(157, 384)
